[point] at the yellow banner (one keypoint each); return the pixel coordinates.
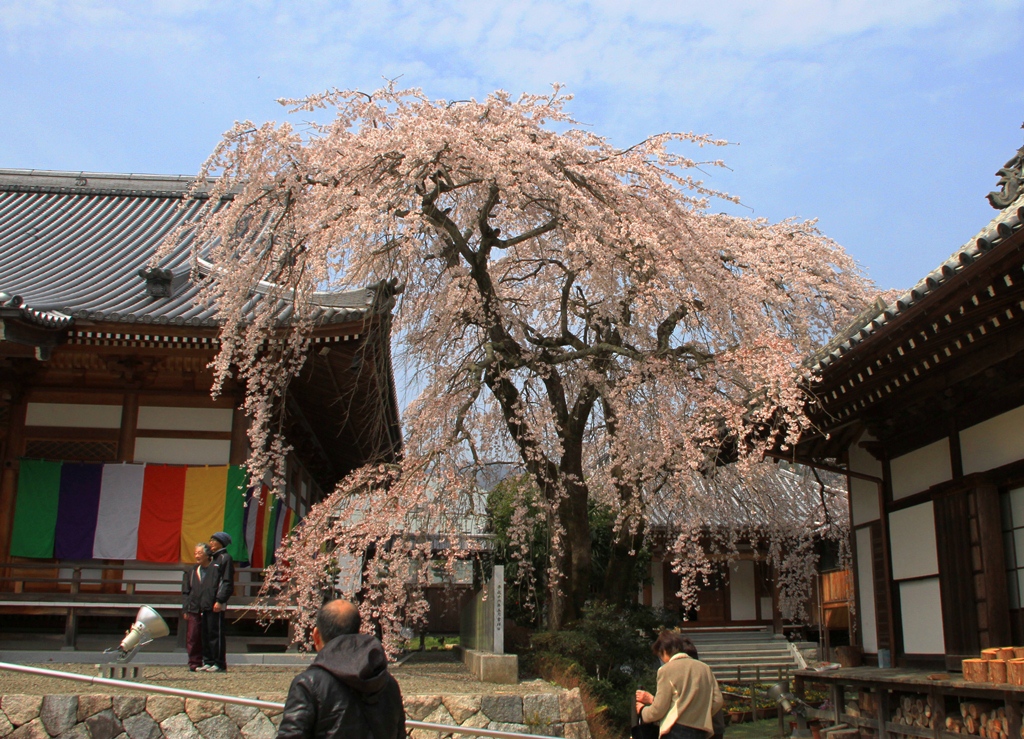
(203, 510)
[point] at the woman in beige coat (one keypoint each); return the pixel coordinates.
(687, 695)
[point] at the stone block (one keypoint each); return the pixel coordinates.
(419, 706)
(162, 707)
(492, 668)
(218, 727)
(141, 726)
(241, 715)
(90, 705)
(541, 710)
(199, 710)
(504, 726)
(461, 707)
(78, 731)
(20, 709)
(6, 727)
(570, 706)
(31, 730)
(59, 713)
(128, 705)
(577, 730)
(273, 698)
(477, 721)
(502, 707)
(104, 725)
(259, 727)
(439, 715)
(179, 727)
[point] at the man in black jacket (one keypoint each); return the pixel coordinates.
(198, 589)
(222, 572)
(347, 691)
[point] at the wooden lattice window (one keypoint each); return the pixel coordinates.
(71, 450)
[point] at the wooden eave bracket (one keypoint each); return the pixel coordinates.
(43, 340)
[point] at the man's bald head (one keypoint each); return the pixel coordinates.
(337, 618)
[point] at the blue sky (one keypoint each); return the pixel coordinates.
(884, 120)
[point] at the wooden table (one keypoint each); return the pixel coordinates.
(888, 684)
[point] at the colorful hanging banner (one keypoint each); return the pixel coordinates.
(151, 513)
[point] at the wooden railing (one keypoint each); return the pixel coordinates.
(78, 588)
(89, 580)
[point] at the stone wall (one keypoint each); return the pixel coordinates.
(157, 716)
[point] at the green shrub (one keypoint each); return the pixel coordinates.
(607, 648)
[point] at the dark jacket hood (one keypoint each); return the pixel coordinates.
(357, 660)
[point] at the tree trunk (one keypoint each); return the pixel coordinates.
(569, 588)
(620, 581)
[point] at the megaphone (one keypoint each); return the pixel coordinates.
(779, 693)
(148, 626)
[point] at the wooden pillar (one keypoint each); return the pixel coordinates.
(776, 611)
(990, 536)
(129, 424)
(239, 436)
(9, 478)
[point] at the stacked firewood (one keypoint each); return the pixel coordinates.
(916, 711)
(865, 706)
(997, 665)
(979, 719)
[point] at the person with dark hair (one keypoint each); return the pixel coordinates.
(222, 570)
(718, 720)
(347, 691)
(687, 696)
(198, 590)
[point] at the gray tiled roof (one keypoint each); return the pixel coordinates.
(766, 496)
(1009, 220)
(72, 245)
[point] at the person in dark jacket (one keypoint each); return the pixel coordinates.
(347, 691)
(197, 594)
(222, 570)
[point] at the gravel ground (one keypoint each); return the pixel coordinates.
(427, 674)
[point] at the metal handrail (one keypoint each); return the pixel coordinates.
(238, 700)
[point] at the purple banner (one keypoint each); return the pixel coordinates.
(80, 485)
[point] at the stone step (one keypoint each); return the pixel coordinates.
(714, 659)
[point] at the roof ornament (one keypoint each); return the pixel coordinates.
(158, 281)
(1011, 182)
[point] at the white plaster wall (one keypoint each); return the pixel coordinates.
(864, 500)
(861, 460)
(182, 451)
(657, 584)
(742, 597)
(921, 607)
(161, 418)
(920, 469)
(73, 415)
(912, 542)
(994, 442)
(766, 608)
(866, 591)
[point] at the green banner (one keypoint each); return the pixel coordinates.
(234, 513)
(35, 512)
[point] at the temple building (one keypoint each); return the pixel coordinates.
(116, 458)
(921, 402)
